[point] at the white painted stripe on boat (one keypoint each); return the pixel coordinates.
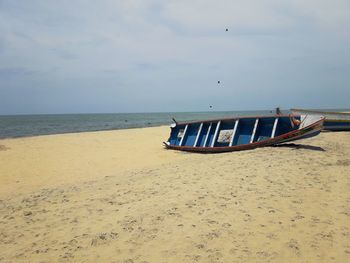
(197, 137)
(183, 136)
(234, 132)
(215, 134)
(254, 130)
(274, 128)
(207, 136)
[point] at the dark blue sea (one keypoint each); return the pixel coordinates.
(32, 125)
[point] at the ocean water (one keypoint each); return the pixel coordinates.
(32, 125)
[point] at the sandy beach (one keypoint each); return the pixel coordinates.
(119, 196)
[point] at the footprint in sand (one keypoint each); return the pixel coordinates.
(3, 148)
(103, 238)
(294, 246)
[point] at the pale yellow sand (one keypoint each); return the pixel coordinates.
(118, 196)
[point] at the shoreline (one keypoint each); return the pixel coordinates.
(78, 132)
(23, 126)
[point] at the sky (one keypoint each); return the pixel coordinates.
(105, 56)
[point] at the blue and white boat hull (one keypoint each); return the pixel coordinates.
(226, 135)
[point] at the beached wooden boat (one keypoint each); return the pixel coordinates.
(334, 121)
(234, 134)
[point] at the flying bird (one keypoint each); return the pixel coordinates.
(226, 29)
(218, 81)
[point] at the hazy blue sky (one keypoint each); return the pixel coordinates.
(149, 55)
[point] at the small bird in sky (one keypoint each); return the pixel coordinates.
(226, 29)
(210, 106)
(218, 81)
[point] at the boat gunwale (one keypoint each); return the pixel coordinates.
(320, 112)
(238, 118)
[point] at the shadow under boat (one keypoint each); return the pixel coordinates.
(300, 146)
